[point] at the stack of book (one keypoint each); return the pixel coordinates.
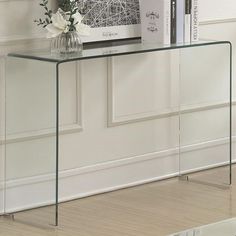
(169, 21)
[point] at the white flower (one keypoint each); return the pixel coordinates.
(59, 24)
(81, 28)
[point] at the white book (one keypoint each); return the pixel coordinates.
(195, 21)
(180, 19)
(155, 21)
(187, 21)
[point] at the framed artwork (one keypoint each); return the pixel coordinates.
(111, 19)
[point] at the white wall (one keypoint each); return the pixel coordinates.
(140, 144)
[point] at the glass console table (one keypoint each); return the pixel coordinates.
(32, 105)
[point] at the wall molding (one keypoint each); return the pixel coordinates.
(49, 132)
(121, 162)
(219, 21)
(12, 40)
(114, 120)
(153, 115)
(112, 170)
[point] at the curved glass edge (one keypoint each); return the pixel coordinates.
(111, 49)
(45, 215)
(227, 181)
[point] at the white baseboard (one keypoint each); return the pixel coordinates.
(82, 182)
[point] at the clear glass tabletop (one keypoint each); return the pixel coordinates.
(109, 49)
(222, 228)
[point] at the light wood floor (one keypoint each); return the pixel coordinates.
(154, 209)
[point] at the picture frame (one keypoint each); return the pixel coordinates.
(111, 19)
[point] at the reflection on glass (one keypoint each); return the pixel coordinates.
(205, 112)
(30, 132)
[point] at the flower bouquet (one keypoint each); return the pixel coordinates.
(64, 27)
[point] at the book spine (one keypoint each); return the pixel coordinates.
(155, 21)
(187, 21)
(195, 21)
(149, 20)
(173, 21)
(180, 13)
(167, 23)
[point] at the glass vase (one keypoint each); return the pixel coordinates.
(66, 43)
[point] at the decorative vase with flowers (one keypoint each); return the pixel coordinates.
(65, 27)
